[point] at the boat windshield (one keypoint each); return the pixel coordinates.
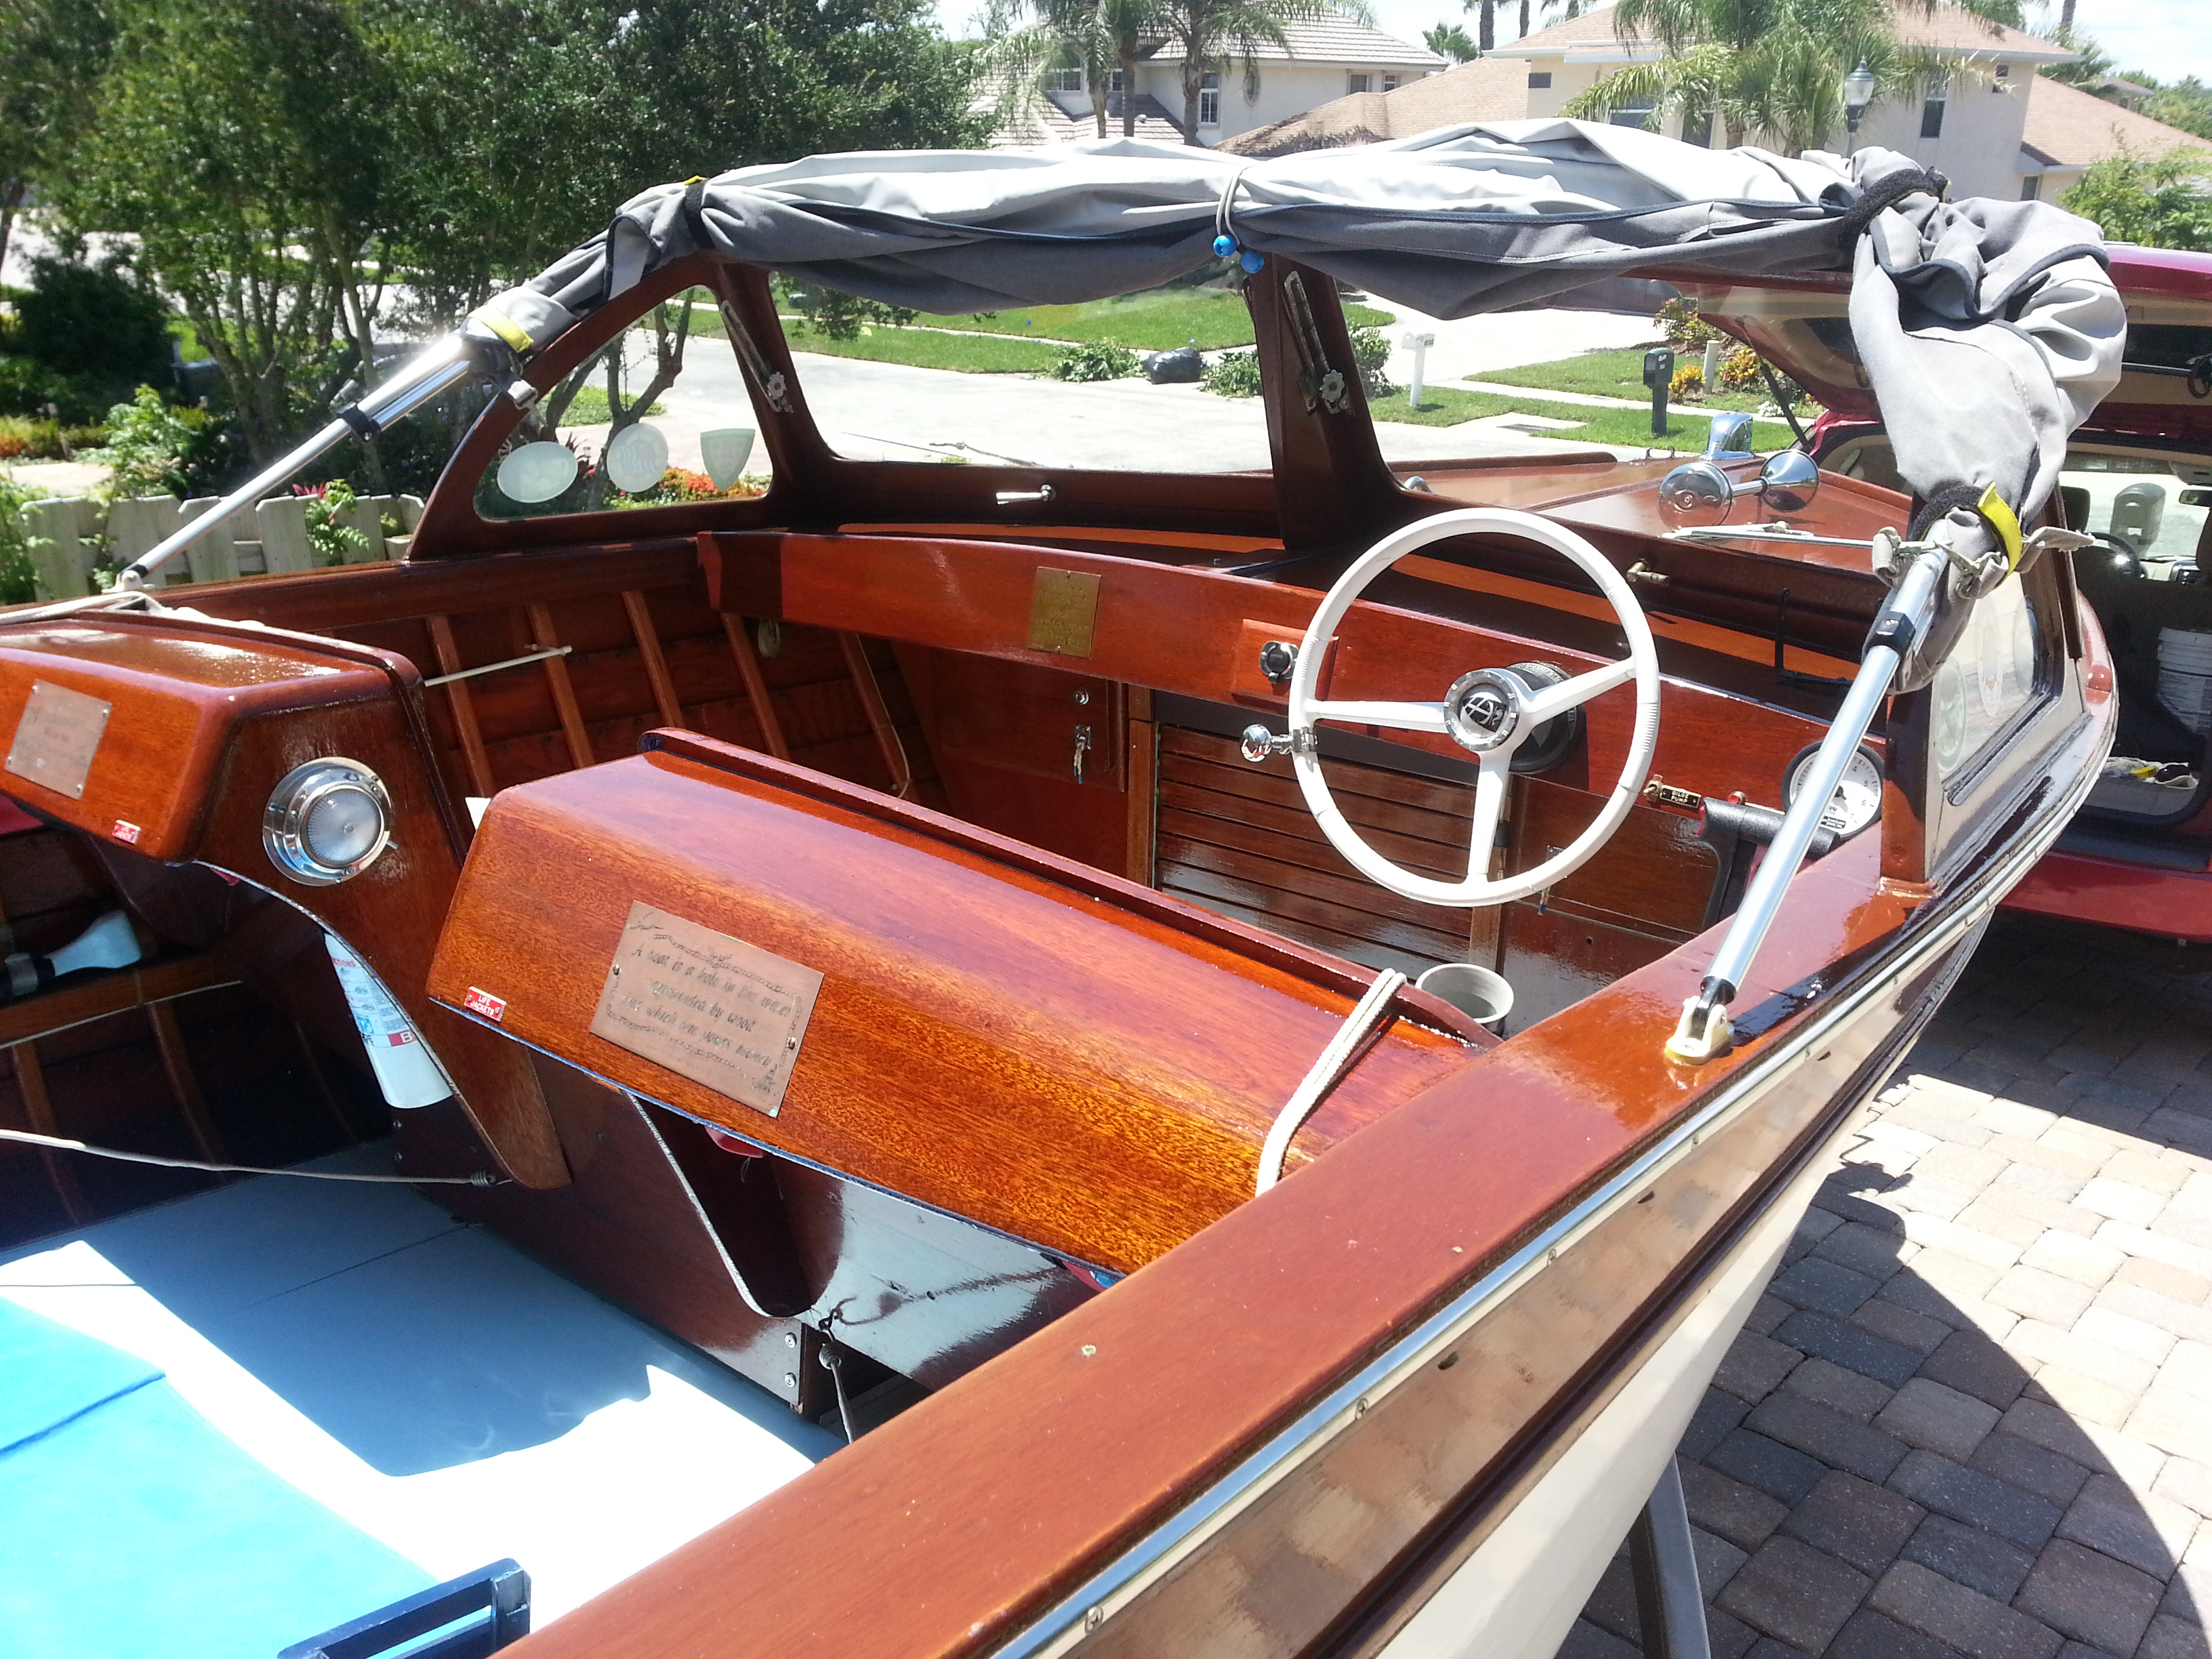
(1039, 385)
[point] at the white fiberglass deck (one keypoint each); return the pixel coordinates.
(422, 1380)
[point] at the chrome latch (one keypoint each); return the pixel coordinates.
(1258, 742)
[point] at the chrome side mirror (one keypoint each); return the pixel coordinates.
(1698, 492)
(1729, 437)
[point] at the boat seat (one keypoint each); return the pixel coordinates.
(1065, 1057)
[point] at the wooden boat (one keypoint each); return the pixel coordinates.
(889, 953)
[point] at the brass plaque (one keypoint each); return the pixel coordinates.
(58, 736)
(719, 1010)
(1063, 612)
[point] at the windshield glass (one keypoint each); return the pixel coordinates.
(1041, 385)
(661, 417)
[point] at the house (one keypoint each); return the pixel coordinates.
(1327, 59)
(1968, 123)
(2067, 128)
(1486, 89)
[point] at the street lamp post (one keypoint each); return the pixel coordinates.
(1858, 93)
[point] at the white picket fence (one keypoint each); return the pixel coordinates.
(69, 535)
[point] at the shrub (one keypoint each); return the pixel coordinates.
(93, 323)
(17, 580)
(679, 485)
(1689, 383)
(838, 315)
(1095, 363)
(328, 533)
(25, 439)
(1682, 328)
(1370, 350)
(147, 444)
(1233, 374)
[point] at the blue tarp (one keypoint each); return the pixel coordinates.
(129, 1526)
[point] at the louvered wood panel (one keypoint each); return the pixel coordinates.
(1238, 839)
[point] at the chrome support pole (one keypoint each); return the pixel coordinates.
(418, 382)
(1704, 1031)
(1670, 1604)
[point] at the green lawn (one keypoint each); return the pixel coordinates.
(1619, 374)
(1159, 319)
(1629, 428)
(970, 354)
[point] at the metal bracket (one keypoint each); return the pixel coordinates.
(1670, 1604)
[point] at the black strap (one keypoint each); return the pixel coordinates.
(1889, 193)
(364, 426)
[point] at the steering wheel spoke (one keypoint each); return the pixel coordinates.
(1550, 701)
(1398, 716)
(1490, 784)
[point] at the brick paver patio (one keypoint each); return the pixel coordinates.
(1972, 1415)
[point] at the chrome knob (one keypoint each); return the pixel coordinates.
(1258, 742)
(1277, 659)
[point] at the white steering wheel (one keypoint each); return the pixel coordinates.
(1490, 713)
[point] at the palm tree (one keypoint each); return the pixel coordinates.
(1214, 31)
(1769, 68)
(1096, 36)
(1485, 21)
(1449, 40)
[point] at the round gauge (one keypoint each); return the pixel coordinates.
(1857, 800)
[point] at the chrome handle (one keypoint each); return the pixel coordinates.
(1016, 497)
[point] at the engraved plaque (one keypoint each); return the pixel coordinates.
(720, 1011)
(58, 736)
(1063, 611)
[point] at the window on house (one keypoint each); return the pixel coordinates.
(1539, 80)
(1209, 100)
(1932, 112)
(1698, 129)
(2004, 71)
(1356, 84)
(1064, 79)
(1389, 83)
(2031, 187)
(1635, 115)
(1114, 81)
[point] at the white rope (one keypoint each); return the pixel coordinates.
(1325, 1070)
(1221, 211)
(482, 1178)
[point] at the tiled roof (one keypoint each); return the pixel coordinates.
(1333, 40)
(2070, 127)
(1487, 89)
(1947, 28)
(1057, 126)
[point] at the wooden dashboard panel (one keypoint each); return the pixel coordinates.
(1048, 1050)
(1181, 629)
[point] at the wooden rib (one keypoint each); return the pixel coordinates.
(38, 1109)
(872, 699)
(749, 671)
(1142, 776)
(464, 707)
(113, 993)
(656, 664)
(185, 1084)
(321, 1079)
(543, 637)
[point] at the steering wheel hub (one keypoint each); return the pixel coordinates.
(1482, 710)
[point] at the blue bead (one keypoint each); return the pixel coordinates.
(1252, 262)
(1223, 245)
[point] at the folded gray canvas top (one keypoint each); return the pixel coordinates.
(1990, 330)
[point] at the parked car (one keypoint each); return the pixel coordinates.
(2138, 476)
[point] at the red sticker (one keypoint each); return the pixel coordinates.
(126, 832)
(484, 1003)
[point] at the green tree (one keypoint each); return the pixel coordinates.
(245, 146)
(1099, 37)
(2186, 104)
(1772, 69)
(52, 55)
(1449, 40)
(1210, 33)
(2158, 201)
(1486, 23)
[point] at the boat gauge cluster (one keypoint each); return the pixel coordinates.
(1857, 800)
(327, 821)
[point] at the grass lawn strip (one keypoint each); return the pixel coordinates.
(1625, 428)
(1615, 374)
(920, 347)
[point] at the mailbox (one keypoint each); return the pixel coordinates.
(1659, 375)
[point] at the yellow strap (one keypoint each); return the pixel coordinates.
(507, 328)
(2004, 521)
